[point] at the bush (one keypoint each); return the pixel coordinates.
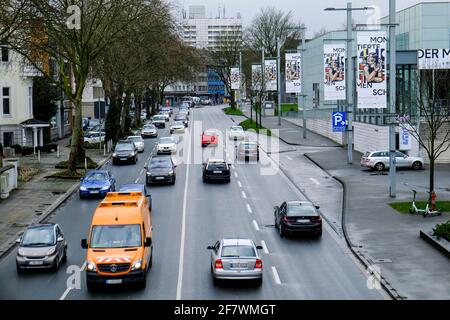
(91, 164)
(442, 230)
(27, 151)
(17, 148)
(232, 111)
(48, 148)
(247, 126)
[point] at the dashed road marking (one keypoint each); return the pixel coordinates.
(315, 181)
(64, 295)
(244, 195)
(239, 184)
(263, 243)
(289, 158)
(255, 224)
(276, 277)
(249, 209)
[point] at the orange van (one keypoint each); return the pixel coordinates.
(119, 247)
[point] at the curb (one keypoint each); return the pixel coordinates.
(437, 244)
(392, 292)
(9, 246)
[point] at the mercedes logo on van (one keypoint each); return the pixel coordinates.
(113, 268)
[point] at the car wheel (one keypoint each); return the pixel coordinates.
(150, 263)
(135, 160)
(319, 233)
(417, 165)
(379, 166)
(281, 231)
(81, 197)
(215, 281)
(55, 266)
(19, 270)
(259, 282)
(91, 287)
(64, 258)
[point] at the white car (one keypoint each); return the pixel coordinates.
(94, 137)
(149, 130)
(379, 160)
(159, 121)
(165, 114)
(138, 141)
(166, 145)
(177, 127)
(237, 133)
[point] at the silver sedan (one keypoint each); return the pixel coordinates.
(235, 258)
(379, 160)
(138, 141)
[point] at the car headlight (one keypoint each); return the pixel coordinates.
(83, 188)
(132, 154)
(114, 155)
(106, 188)
(171, 173)
(51, 251)
(149, 174)
(91, 266)
(137, 265)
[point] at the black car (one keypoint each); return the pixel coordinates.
(125, 152)
(183, 118)
(160, 169)
(216, 170)
(298, 216)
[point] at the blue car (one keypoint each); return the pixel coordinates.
(139, 188)
(97, 183)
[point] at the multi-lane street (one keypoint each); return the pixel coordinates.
(189, 216)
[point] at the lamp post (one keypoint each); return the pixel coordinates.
(349, 79)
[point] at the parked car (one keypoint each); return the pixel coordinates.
(210, 137)
(125, 152)
(159, 121)
(236, 133)
(85, 123)
(97, 183)
(216, 170)
(177, 127)
(42, 246)
(236, 259)
(166, 145)
(138, 141)
(206, 102)
(379, 160)
(161, 169)
(138, 187)
(93, 123)
(149, 131)
(297, 216)
(183, 118)
(248, 150)
(94, 137)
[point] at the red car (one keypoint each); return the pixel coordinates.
(210, 137)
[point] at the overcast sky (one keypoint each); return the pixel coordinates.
(309, 12)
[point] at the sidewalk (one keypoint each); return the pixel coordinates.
(32, 201)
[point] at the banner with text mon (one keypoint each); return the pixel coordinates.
(429, 59)
(256, 77)
(334, 71)
(270, 73)
(235, 79)
(371, 70)
(293, 73)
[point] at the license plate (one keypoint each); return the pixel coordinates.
(94, 192)
(217, 171)
(114, 281)
(123, 159)
(36, 263)
(238, 265)
(303, 220)
(159, 178)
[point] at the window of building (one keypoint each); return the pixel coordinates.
(8, 139)
(4, 54)
(6, 101)
(30, 100)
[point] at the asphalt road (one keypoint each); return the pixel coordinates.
(191, 215)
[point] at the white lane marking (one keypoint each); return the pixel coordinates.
(249, 209)
(244, 195)
(239, 184)
(255, 224)
(64, 295)
(183, 225)
(276, 277)
(289, 158)
(315, 181)
(142, 172)
(263, 243)
(235, 174)
(137, 180)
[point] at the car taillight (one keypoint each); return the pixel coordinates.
(286, 219)
(316, 218)
(218, 264)
(258, 264)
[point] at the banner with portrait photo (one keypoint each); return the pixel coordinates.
(371, 70)
(334, 72)
(256, 77)
(235, 79)
(293, 73)
(270, 73)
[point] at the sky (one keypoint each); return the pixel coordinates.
(306, 11)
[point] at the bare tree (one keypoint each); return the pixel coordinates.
(13, 15)
(429, 124)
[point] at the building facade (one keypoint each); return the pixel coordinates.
(425, 25)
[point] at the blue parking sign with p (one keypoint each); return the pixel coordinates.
(339, 120)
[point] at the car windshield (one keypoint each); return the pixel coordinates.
(38, 237)
(158, 118)
(98, 176)
(166, 140)
(160, 163)
(130, 188)
(135, 139)
(124, 147)
(294, 210)
(237, 129)
(217, 166)
(238, 251)
(177, 123)
(210, 132)
(149, 127)
(116, 236)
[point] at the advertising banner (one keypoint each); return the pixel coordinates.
(371, 70)
(256, 77)
(405, 138)
(270, 73)
(334, 71)
(433, 59)
(293, 73)
(235, 79)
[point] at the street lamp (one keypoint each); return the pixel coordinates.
(349, 77)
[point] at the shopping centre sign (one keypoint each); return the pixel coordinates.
(429, 59)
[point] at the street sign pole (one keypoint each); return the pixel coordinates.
(279, 79)
(349, 86)
(392, 99)
(303, 85)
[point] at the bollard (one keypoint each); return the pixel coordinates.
(104, 149)
(39, 156)
(85, 163)
(57, 151)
